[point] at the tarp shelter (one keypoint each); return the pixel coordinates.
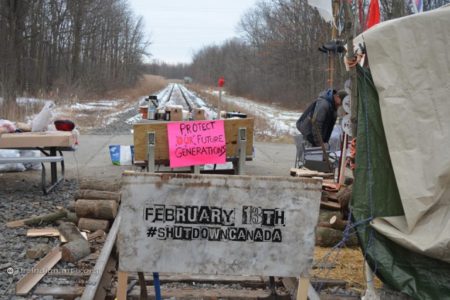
(401, 195)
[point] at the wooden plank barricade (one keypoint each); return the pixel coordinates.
(151, 142)
(217, 225)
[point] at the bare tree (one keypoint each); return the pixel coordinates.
(68, 45)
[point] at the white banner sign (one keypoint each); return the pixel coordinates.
(210, 224)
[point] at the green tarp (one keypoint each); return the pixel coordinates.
(375, 194)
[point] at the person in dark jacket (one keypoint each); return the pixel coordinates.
(323, 113)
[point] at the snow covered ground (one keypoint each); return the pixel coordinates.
(279, 121)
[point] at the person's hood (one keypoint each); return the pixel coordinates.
(328, 95)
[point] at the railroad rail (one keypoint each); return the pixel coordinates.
(178, 94)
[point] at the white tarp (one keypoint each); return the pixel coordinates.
(410, 64)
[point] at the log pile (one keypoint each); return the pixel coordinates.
(95, 210)
(92, 211)
(333, 217)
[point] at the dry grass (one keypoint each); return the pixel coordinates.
(147, 85)
(16, 113)
(349, 266)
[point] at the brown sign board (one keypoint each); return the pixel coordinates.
(140, 136)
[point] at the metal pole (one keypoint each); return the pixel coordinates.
(242, 146)
(218, 105)
(151, 151)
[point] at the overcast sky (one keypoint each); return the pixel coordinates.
(178, 28)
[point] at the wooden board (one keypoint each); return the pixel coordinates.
(36, 232)
(38, 139)
(65, 292)
(162, 147)
(27, 282)
(203, 293)
(309, 173)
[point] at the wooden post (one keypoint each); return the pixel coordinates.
(331, 57)
(351, 57)
(342, 167)
(302, 291)
(195, 169)
(122, 285)
(218, 104)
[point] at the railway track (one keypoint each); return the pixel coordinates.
(178, 94)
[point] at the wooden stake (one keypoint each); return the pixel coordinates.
(122, 285)
(303, 285)
(47, 218)
(342, 165)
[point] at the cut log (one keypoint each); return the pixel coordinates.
(77, 246)
(93, 224)
(329, 237)
(96, 209)
(329, 196)
(330, 205)
(75, 250)
(325, 215)
(47, 218)
(97, 195)
(101, 185)
(344, 196)
(69, 231)
(337, 223)
(324, 224)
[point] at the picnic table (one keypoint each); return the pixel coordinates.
(50, 143)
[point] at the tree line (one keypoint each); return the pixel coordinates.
(276, 57)
(75, 46)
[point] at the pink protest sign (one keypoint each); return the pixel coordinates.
(196, 143)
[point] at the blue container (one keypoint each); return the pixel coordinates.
(121, 155)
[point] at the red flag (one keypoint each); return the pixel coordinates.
(373, 16)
